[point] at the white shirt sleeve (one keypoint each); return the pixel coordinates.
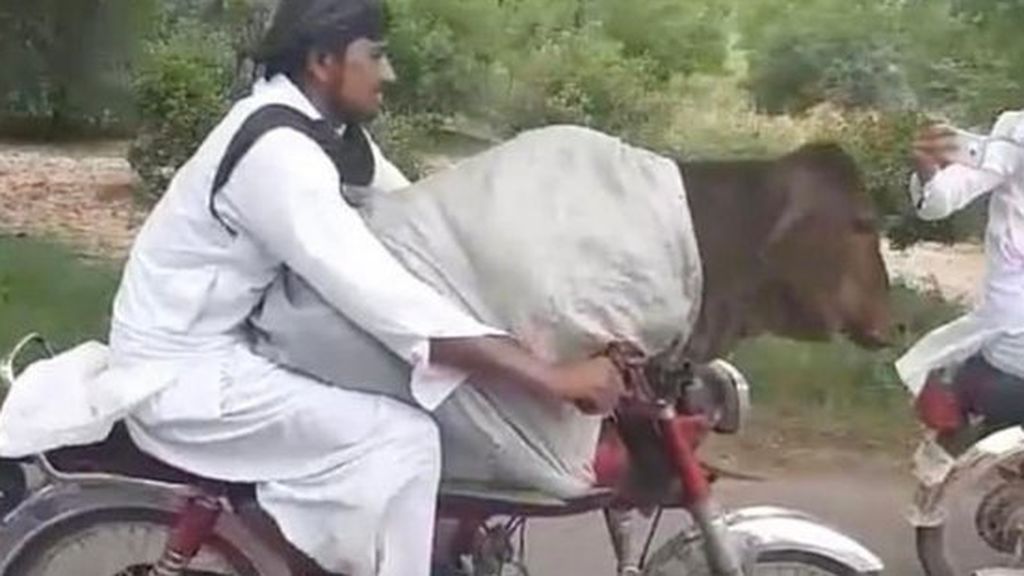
(952, 188)
(956, 185)
(285, 194)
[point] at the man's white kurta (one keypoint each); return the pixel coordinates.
(995, 328)
(180, 363)
(189, 286)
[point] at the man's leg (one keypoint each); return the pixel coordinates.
(375, 514)
(350, 478)
(266, 529)
(989, 392)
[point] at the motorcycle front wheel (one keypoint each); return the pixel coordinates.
(120, 543)
(685, 556)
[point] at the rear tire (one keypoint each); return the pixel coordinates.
(119, 543)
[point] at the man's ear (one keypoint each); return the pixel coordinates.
(314, 65)
(320, 64)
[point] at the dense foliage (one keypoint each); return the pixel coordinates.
(67, 64)
(695, 77)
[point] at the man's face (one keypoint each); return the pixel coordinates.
(354, 80)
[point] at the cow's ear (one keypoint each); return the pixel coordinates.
(795, 211)
(791, 183)
(831, 159)
(827, 154)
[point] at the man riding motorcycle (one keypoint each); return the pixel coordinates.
(350, 478)
(975, 365)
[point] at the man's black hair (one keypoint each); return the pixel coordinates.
(328, 26)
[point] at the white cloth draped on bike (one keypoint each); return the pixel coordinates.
(565, 237)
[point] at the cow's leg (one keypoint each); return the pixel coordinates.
(991, 393)
(266, 529)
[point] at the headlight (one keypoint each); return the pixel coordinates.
(722, 393)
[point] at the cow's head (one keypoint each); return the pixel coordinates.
(825, 272)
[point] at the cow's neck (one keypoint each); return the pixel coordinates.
(733, 208)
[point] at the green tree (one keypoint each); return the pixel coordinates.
(192, 69)
(684, 36)
(443, 51)
(990, 69)
(961, 58)
(473, 56)
(67, 63)
(846, 52)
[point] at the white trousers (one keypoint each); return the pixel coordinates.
(350, 478)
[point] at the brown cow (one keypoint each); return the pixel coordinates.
(789, 246)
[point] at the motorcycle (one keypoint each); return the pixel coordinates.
(110, 510)
(962, 465)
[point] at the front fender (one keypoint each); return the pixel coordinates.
(940, 474)
(772, 530)
(55, 505)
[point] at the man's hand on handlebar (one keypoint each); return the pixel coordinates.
(594, 385)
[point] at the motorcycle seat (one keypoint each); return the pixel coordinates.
(119, 456)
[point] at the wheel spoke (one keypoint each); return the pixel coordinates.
(123, 548)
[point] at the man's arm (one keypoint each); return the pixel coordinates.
(941, 187)
(497, 359)
(950, 189)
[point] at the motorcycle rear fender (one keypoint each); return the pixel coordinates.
(51, 507)
(771, 530)
(939, 474)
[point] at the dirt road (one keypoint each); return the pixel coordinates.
(81, 195)
(956, 271)
(862, 505)
(867, 503)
